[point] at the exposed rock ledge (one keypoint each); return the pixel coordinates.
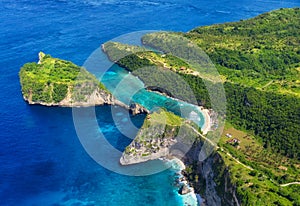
(97, 98)
(135, 109)
(161, 139)
(162, 134)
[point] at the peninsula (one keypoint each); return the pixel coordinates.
(159, 135)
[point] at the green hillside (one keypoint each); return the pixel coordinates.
(262, 52)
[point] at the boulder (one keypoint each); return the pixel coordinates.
(184, 190)
(137, 109)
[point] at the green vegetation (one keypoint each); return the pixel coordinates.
(154, 69)
(262, 95)
(116, 51)
(158, 130)
(50, 81)
(259, 63)
(271, 116)
(161, 129)
(262, 52)
(260, 172)
(256, 174)
(265, 47)
(136, 58)
(164, 117)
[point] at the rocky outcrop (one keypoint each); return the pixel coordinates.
(209, 178)
(57, 82)
(161, 134)
(137, 109)
(145, 148)
(184, 189)
(214, 183)
(98, 97)
(160, 90)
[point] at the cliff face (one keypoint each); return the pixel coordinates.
(154, 140)
(98, 97)
(214, 182)
(224, 187)
(158, 138)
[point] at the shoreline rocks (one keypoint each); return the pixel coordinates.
(184, 189)
(97, 98)
(135, 109)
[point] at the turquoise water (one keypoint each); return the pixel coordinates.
(42, 161)
(134, 91)
(129, 88)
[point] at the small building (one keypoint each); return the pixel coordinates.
(283, 168)
(234, 141)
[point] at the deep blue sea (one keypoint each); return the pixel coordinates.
(41, 159)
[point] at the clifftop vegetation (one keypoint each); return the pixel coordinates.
(51, 80)
(160, 131)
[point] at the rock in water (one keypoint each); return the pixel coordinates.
(137, 109)
(184, 190)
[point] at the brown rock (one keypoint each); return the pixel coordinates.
(184, 190)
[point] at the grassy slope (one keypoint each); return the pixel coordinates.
(262, 52)
(50, 79)
(117, 51)
(257, 172)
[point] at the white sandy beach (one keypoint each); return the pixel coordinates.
(207, 125)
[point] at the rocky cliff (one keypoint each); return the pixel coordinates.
(210, 178)
(164, 135)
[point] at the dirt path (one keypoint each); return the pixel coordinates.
(205, 138)
(212, 143)
(291, 183)
(248, 167)
(270, 82)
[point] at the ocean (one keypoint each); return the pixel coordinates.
(42, 161)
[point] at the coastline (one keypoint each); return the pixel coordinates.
(190, 198)
(207, 119)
